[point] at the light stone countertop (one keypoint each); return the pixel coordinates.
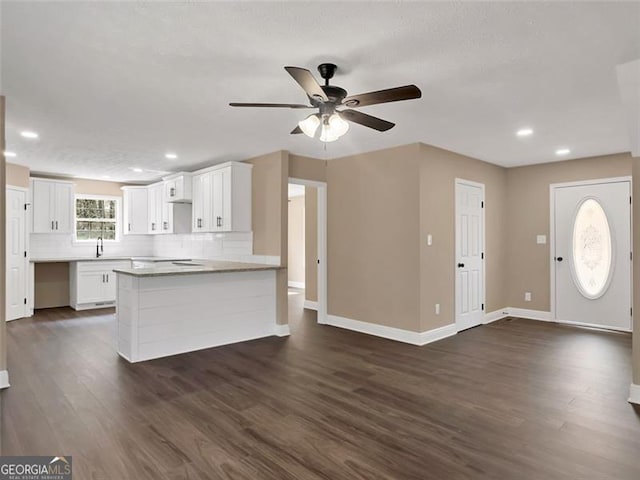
(195, 266)
(107, 259)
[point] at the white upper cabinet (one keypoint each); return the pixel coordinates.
(155, 208)
(222, 198)
(53, 204)
(135, 210)
(178, 188)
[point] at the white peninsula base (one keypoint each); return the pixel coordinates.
(162, 315)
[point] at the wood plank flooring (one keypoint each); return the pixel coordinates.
(516, 399)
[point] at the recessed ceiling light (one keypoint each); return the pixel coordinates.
(28, 134)
(171, 155)
(563, 151)
(524, 132)
(137, 170)
(10, 154)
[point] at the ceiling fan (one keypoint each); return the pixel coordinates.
(328, 98)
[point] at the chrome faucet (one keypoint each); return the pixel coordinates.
(99, 247)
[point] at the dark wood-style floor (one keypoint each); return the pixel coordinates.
(513, 400)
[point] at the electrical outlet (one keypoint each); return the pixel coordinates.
(429, 240)
(437, 309)
(527, 296)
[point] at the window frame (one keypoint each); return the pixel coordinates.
(118, 219)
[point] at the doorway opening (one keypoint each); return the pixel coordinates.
(307, 226)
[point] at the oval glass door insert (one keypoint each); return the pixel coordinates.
(592, 249)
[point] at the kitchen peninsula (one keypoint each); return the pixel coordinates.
(180, 307)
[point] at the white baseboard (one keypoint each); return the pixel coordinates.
(392, 333)
(311, 305)
(495, 315)
(282, 331)
(296, 284)
(634, 394)
(530, 314)
(4, 379)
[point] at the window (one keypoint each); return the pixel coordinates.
(96, 216)
(592, 249)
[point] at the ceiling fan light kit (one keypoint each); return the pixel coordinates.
(327, 98)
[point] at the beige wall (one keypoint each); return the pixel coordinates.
(636, 270)
(17, 175)
(3, 249)
(373, 235)
(51, 285)
(98, 187)
(307, 168)
(296, 247)
(311, 243)
(269, 200)
(438, 171)
(528, 215)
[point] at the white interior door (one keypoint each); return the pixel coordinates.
(16, 251)
(592, 254)
(469, 254)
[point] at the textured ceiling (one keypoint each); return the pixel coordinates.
(111, 86)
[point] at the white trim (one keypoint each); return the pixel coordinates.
(530, 314)
(15, 187)
(322, 244)
(281, 331)
(311, 305)
(296, 284)
(495, 316)
(592, 325)
(4, 379)
(481, 186)
(634, 394)
(392, 333)
(552, 232)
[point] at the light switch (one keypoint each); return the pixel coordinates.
(429, 240)
(541, 239)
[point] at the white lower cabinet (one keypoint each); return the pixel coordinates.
(93, 283)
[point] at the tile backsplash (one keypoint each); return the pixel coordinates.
(211, 246)
(208, 246)
(46, 245)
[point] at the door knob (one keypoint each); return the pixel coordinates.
(461, 265)
(559, 259)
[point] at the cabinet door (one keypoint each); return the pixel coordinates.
(91, 286)
(221, 201)
(202, 211)
(167, 217)
(154, 209)
(109, 288)
(43, 194)
(136, 211)
(64, 208)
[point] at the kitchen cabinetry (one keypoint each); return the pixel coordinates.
(93, 283)
(177, 188)
(156, 211)
(222, 198)
(135, 210)
(53, 204)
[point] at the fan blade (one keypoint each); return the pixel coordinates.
(296, 131)
(366, 120)
(308, 83)
(408, 92)
(270, 105)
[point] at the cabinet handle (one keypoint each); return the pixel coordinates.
(199, 223)
(52, 225)
(172, 192)
(103, 278)
(129, 227)
(107, 278)
(165, 225)
(153, 226)
(218, 221)
(56, 224)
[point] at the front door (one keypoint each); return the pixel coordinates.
(16, 254)
(469, 254)
(592, 257)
